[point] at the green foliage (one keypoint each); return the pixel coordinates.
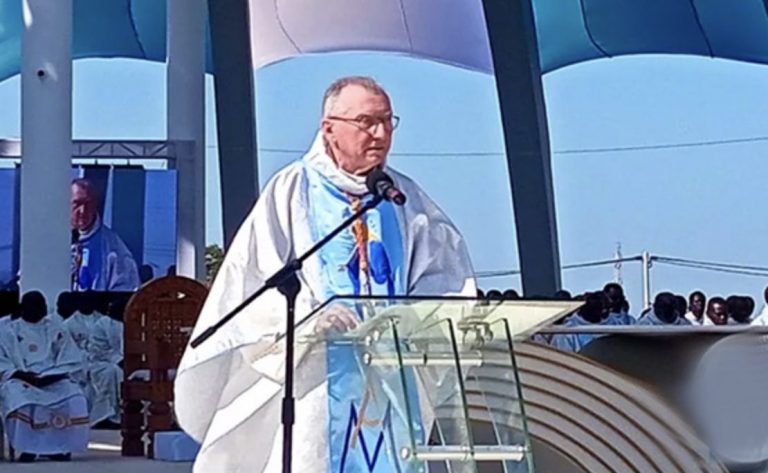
(214, 256)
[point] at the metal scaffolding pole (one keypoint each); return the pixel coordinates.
(647, 259)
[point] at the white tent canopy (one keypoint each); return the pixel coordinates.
(450, 31)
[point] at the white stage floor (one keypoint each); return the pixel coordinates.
(103, 455)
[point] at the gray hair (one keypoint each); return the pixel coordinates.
(334, 90)
(87, 186)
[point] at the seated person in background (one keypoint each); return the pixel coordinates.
(717, 312)
(510, 295)
(681, 305)
(546, 338)
(494, 295)
(664, 312)
(697, 302)
(65, 307)
(593, 312)
(762, 317)
(617, 315)
(739, 310)
(5, 319)
(146, 273)
(80, 326)
(105, 367)
(750, 307)
(44, 411)
(81, 323)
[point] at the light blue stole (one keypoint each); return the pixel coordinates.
(89, 271)
(362, 422)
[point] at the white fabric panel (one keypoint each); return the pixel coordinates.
(450, 31)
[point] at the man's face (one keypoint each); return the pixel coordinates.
(718, 313)
(615, 299)
(82, 208)
(359, 129)
(697, 305)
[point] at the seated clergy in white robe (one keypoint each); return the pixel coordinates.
(105, 351)
(228, 399)
(663, 312)
(81, 325)
(45, 413)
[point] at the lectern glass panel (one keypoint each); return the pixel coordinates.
(438, 381)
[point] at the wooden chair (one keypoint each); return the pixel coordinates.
(158, 322)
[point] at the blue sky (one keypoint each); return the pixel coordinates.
(704, 202)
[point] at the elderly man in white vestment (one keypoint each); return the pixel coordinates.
(44, 411)
(229, 399)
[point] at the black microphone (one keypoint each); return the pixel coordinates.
(379, 183)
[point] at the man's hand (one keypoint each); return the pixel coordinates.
(337, 317)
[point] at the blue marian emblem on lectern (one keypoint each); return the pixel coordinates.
(355, 434)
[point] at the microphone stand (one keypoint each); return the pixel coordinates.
(287, 283)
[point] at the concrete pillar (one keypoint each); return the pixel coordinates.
(46, 130)
(185, 83)
(235, 111)
(512, 36)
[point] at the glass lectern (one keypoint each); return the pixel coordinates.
(435, 380)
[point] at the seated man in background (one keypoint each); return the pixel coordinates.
(65, 307)
(762, 317)
(697, 302)
(740, 310)
(105, 367)
(593, 312)
(681, 306)
(665, 311)
(717, 312)
(81, 323)
(44, 411)
(617, 302)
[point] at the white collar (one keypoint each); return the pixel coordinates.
(84, 235)
(318, 158)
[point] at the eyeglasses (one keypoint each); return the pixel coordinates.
(369, 123)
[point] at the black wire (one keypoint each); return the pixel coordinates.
(603, 262)
(728, 268)
(664, 146)
(711, 263)
(715, 269)
(615, 149)
(514, 272)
